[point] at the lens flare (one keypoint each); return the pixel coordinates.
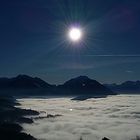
(75, 34)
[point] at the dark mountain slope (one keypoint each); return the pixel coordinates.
(23, 82)
(84, 85)
(126, 87)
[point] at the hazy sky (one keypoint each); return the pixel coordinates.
(33, 39)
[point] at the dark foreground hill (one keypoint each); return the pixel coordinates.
(10, 117)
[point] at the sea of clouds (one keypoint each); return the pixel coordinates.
(115, 117)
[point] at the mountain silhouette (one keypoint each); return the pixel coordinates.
(23, 82)
(125, 87)
(84, 85)
(81, 85)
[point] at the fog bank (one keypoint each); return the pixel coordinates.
(115, 117)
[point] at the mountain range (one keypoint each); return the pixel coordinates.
(81, 85)
(125, 87)
(23, 81)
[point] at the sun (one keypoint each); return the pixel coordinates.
(75, 34)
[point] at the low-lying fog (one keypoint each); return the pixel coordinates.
(115, 117)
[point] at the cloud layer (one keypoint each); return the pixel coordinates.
(115, 117)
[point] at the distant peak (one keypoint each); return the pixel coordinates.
(23, 76)
(82, 77)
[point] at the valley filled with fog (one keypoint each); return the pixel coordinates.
(115, 117)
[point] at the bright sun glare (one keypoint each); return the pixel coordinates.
(75, 34)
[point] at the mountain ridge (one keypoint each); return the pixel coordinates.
(127, 87)
(81, 85)
(84, 84)
(23, 81)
